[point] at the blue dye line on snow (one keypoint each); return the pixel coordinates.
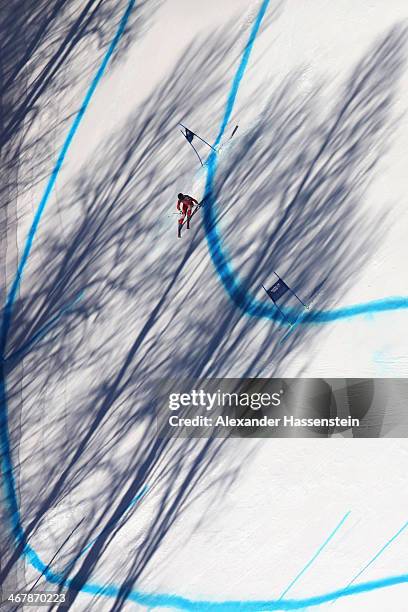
(6, 458)
(317, 554)
(235, 288)
(30, 554)
(51, 182)
(378, 554)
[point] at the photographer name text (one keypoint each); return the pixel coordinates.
(286, 421)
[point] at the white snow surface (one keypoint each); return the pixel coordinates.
(259, 509)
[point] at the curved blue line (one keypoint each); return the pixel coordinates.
(182, 603)
(6, 458)
(235, 288)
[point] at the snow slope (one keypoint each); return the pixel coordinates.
(313, 185)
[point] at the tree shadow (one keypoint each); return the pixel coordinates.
(296, 182)
(115, 305)
(108, 224)
(47, 48)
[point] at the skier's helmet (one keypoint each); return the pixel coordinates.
(180, 196)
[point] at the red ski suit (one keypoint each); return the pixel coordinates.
(185, 206)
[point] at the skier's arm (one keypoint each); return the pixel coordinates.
(195, 201)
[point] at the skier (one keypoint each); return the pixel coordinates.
(185, 207)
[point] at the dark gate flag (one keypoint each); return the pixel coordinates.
(189, 135)
(277, 290)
